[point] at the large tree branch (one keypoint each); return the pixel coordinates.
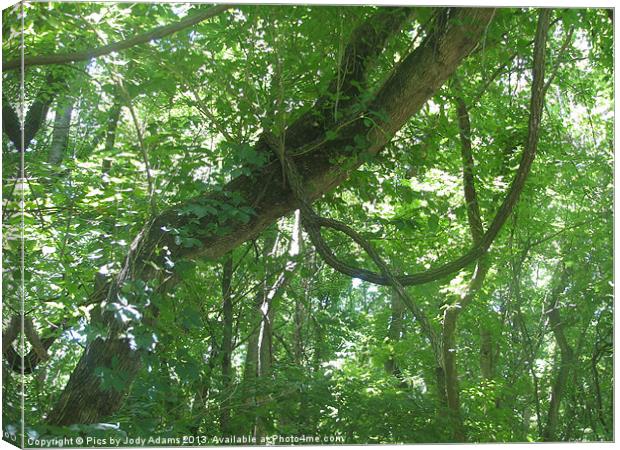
(360, 54)
(329, 164)
(155, 33)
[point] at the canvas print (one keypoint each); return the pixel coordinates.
(306, 224)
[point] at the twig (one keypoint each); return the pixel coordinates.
(145, 155)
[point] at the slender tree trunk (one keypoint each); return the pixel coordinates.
(394, 335)
(597, 389)
(451, 312)
(254, 352)
(449, 349)
(489, 351)
(108, 130)
(517, 268)
(564, 356)
(301, 313)
(557, 395)
(227, 343)
(259, 356)
(301, 322)
(60, 135)
(298, 337)
(317, 355)
(448, 346)
(265, 361)
(487, 363)
(112, 125)
(203, 390)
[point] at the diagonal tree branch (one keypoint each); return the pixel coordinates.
(155, 33)
(469, 187)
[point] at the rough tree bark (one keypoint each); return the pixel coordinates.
(411, 84)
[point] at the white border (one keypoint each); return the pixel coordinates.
(497, 3)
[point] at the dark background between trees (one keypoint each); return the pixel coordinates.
(458, 161)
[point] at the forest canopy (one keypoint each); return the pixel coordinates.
(363, 224)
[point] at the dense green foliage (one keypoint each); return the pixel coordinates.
(268, 339)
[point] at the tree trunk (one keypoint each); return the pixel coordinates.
(448, 346)
(440, 381)
(301, 322)
(395, 331)
(255, 354)
(565, 359)
(300, 316)
(557, 394)
(227, 343)
(112, 126)
(487, 363)
(85, 398)
(60, 135)
(259, 357)
(594, 360)
(298, 337)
